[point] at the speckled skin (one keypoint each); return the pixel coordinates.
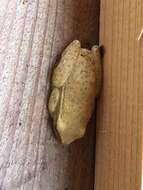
(75, 84)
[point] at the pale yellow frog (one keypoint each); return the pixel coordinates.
(76, 83)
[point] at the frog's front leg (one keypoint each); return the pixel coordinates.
(54, 101)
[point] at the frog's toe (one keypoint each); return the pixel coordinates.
(53, 101)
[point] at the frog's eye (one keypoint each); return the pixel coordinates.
(98, 49)
(84, 52)
(95, 48)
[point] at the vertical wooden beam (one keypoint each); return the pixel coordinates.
(120, 113)
(33, 34)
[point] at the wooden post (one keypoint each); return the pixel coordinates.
(33, 34)
(120, 111)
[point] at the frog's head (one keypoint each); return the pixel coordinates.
(94, 54)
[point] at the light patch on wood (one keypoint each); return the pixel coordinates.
(140, 35)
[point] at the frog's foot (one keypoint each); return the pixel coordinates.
(67, 133)
(53, 101)
(68, 138)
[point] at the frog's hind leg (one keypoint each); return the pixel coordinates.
(53, 101)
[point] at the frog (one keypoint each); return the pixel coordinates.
(76, 83)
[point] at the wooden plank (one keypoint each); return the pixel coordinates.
(120, 110)
(33, 34)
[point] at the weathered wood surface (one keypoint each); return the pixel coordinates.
(32, 36)
(120, 113)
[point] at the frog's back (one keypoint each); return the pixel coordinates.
(79, 95)
(81, 85)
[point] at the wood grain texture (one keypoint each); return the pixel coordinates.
(32, 36)
(120, 113)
